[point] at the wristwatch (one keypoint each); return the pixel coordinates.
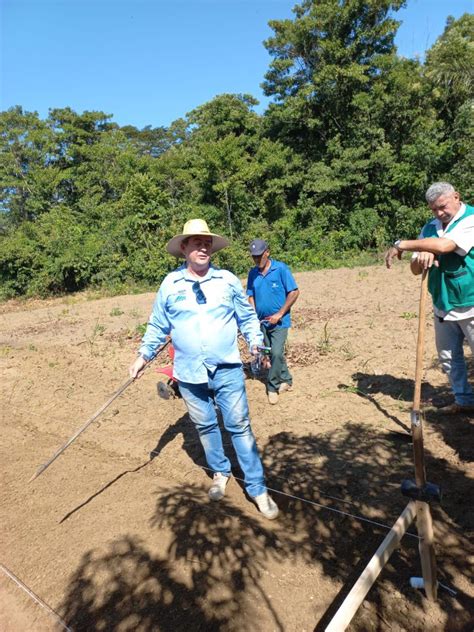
(396, 244)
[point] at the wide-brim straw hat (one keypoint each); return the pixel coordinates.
(194, 227)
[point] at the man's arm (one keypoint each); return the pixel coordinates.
(290, 300)
(431, 245)
(158, 328)
(245, 315)
(250, 292)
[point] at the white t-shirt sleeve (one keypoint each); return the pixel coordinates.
(463, 235)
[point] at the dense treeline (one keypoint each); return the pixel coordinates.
(337, 165)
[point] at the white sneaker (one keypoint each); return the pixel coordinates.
(267, 505)
(217, 489)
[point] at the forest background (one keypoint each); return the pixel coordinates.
(331, 172)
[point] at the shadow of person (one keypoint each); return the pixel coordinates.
(184, 427)
(399, 388)
(378, 406)
(192, 444)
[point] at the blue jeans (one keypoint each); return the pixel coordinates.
(450, 336)
(227, 385)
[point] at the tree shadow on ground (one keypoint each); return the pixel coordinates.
(365, 470)
(212, 576)
(455, 429)
(128, 588)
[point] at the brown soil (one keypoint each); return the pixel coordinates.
(118, 534)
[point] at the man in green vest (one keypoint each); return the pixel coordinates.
(445, 247)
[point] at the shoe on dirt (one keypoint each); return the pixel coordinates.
(455, 409)
(272, 397)
(217, 489)
(267, 506)
(285, 387)
(442, 400)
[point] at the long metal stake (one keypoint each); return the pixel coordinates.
(42, 467)
(424, 522)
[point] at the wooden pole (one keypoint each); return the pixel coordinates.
(424, 522)
(352, 602)
(124, 386)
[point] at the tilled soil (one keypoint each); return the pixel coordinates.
(118, 533)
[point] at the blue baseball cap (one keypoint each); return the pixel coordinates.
(257, 247)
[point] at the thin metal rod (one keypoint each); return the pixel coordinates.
(35, 597)
(58, 452)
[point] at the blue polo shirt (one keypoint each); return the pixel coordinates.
(269, 291)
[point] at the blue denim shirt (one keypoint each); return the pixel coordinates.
(204, 335)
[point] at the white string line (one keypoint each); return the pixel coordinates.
(340, 500)
(35, 597)
(311, 502)
(339, 511)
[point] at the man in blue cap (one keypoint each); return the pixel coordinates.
(272, 291)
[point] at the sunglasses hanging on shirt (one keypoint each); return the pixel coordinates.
(200, 296)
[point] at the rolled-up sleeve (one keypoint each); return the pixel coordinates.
(463, 235)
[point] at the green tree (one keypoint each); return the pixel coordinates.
(449, 76)
(322, 59)
(450, 66)
(29, 175)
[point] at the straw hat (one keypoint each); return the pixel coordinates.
(194, 227)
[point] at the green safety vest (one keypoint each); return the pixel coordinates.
(452, 284)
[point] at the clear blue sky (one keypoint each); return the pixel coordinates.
(148, 62)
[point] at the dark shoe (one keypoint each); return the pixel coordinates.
(164, 390)
(439, 401)
(455, 409)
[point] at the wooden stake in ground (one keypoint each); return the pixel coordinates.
(58, 452)
(351, 603)
(424, 522)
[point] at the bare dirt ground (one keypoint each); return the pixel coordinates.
(119, 534)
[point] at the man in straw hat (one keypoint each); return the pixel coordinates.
(200, 307)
